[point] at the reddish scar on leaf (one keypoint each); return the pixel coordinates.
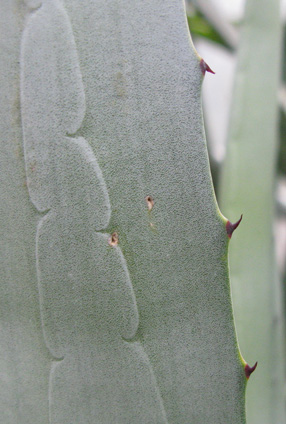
(205, 67)
(230, 227)
(113, 240)
(150, 202)
(249, 370)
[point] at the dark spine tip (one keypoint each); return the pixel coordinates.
(205, 67)
(231, 227)
(249, 370)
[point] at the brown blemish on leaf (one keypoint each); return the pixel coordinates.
(113, 239)
(231, 227)
(150, 202)
(205, 67)
(249, 370)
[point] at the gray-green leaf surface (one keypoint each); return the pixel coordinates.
(247, 187)
(136, 322)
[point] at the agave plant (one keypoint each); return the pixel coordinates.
(247, 185)
(115, 302)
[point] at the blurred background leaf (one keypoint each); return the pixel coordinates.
(246, 132)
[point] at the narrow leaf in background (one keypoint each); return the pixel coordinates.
(247, 186)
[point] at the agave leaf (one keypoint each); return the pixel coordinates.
(127, 247)
(246, 187)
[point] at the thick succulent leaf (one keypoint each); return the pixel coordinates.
(125, 244)
(24, 358)
(247, 187)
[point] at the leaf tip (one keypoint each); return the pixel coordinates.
(230, 227)
(249, 370)
(205, 67)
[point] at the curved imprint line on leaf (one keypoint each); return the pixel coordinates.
(86, 153)
(56, 358)
(35, 139)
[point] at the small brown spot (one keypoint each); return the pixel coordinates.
(249, 370)
(205, 67)
(150, 202)
(113, 240)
